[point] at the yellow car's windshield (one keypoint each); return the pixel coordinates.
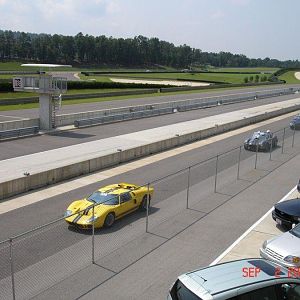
(103, 198)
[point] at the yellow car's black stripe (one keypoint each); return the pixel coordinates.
(86, 211)
(76, 219)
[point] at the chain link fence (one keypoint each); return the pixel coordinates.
(39, 259)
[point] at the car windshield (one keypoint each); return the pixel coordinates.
(183, 293)
(296, 231)
(259, 135)
(103, 198)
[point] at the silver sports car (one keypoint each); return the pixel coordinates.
(284, 249)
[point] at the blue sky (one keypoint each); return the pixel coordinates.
(256, 28)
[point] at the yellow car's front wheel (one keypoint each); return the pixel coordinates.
(109, 220)
(143, 205)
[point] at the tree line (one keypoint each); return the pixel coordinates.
(101, 50)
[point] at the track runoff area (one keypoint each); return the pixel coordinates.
(168, 249)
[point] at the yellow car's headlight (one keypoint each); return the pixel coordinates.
(68, 213)
(92, 219)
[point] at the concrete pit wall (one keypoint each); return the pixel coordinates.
(9, 125)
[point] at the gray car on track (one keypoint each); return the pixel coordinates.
(295, 123)
(261, 141)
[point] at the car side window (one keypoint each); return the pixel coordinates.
(289, 291)
(125, 197)
(267, 293)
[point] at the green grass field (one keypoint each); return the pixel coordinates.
(14, 95)
(289, 77)
(255, 69)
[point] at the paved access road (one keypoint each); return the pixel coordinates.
(19, 147)
(130, 263)
(67, 109)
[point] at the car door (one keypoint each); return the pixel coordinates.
(127, 203)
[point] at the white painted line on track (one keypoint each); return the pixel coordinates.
(221, 256)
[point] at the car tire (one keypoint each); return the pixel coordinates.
(267, 147)
(143, 205)
(109, 220)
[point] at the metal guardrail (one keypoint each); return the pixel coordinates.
(14, 133)
(156, 109)
(123, 117)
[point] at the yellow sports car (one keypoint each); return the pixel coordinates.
(110, 203)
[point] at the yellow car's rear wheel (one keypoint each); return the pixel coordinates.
(109, 220)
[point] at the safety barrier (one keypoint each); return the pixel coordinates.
(122, 117)
(14, 133)
(142, 111)
(16, 124)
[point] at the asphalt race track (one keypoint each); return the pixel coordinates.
(55, 261)
(120, 247)
(19, 147)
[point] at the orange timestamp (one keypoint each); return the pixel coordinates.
(293, 272)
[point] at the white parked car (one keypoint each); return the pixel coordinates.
(284, 249)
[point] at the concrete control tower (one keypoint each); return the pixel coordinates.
(50, 91)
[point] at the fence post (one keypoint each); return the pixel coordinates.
(93, 236)
(12, 268)
(147, 209)
(188, 188)
(216, 174)
(283, 141)
(293, 140)
(256, 152)
(271, 149)
(239, 162)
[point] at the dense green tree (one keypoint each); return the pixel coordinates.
(137, 51)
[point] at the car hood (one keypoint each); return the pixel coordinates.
(87, 207)
(252, 141)
(285, 244)
(290, 207)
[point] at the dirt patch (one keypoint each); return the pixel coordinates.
(163, 82)
(297, 75)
